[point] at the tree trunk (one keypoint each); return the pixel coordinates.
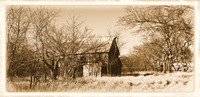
(74, 73)
(145, 67)
(31, 82)
(55, 75)
(45, 75)
(169, 68)
(164, 67)
(55, 70)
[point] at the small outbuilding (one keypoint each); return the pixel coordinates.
(97, 64)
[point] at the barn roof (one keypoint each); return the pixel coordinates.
(103, 48)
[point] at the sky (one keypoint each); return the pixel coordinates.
(100, 18)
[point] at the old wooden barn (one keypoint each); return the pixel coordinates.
(97, 64)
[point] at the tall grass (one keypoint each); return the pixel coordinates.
(173, 82)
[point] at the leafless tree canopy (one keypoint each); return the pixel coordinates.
(18, 24)
(38, 48)
(168, 31)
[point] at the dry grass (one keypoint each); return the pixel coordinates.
(173, 82)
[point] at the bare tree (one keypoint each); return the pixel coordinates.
(57, 46)
(79, 41)
(165, 24)
(43, 19)
(18, 25)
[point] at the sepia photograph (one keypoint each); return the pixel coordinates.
(100, 48)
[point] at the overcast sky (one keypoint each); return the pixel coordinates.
(99, 19)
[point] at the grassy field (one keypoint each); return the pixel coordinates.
(172, 82)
